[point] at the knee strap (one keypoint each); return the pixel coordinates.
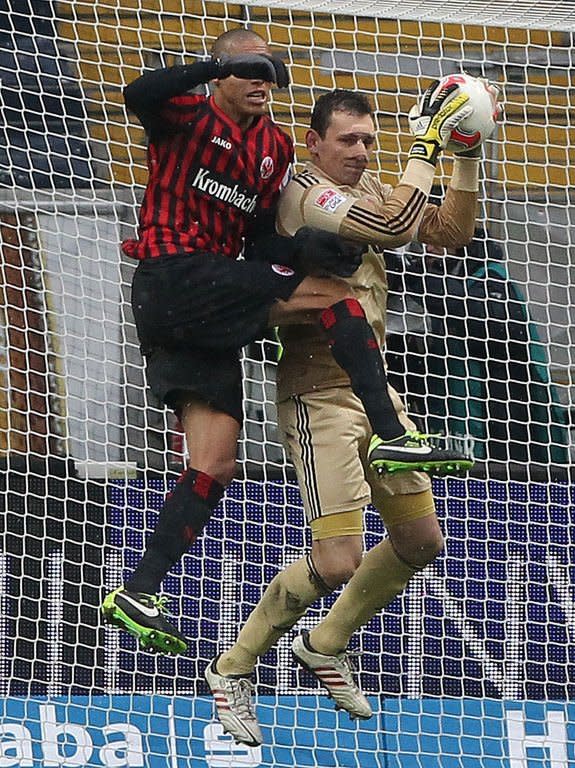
(338, 524)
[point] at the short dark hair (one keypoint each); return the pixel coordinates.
(227, 39)
(338, 100)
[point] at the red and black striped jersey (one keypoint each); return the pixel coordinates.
(207, 179)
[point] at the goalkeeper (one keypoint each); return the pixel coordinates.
(326, 430)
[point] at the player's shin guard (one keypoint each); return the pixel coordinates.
(184, 514)
(356, 350)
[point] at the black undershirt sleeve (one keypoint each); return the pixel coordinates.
(311, 251)
(262, 242)
(146, 96)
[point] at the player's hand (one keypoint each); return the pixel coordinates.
(282, 74)
(433, 118)
(317, 252)
(352, 256)
(253, 66)
(495, 93)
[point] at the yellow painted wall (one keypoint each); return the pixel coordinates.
(113, 41)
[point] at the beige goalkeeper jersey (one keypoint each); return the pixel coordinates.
(374, 213)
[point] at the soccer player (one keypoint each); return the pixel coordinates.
(326, 430)
(216, 168)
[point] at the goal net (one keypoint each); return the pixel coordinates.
(473, 664)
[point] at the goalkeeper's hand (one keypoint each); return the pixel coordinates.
(321, 253)
(494, 92)
(252, 66)
(433, 118)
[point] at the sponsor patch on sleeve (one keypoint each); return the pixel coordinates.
(330, 200)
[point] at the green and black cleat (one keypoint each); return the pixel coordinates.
(412, 451)
(144, 617)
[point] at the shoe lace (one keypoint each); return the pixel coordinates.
(161, 603)
(349, 662)
(242, 693)
(414, 437)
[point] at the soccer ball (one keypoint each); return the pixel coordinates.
(479, 126)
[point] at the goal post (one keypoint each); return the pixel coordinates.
(473, 665)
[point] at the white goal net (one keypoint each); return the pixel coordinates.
(473, 666)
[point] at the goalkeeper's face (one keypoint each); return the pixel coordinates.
(343, 153)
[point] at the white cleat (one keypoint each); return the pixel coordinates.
(233, 697)
(335, 674)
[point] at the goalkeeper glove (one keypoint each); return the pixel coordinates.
(497, 113)
(252, 66)
(433, 119)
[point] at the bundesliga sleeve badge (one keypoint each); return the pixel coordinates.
(330, 200)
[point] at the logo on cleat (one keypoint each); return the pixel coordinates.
(410, 448)
(152, 613)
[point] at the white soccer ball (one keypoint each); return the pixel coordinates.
(479, 126)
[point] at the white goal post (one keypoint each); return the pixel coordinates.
(472, 667)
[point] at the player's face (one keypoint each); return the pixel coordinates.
(243, 100)
(344, 152)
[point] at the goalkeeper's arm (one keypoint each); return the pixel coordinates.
(452, 224)
(389, 219)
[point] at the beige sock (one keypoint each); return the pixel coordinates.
(286, 599)
(380, 577)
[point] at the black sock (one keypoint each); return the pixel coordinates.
(356, 350)
(183, 516)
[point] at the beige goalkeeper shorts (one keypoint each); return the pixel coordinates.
(327, 434)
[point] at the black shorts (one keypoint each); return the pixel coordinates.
(213, 375)
(194, 312)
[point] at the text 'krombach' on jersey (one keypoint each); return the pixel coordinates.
(207, 179)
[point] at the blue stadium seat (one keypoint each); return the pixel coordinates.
(43, 139)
